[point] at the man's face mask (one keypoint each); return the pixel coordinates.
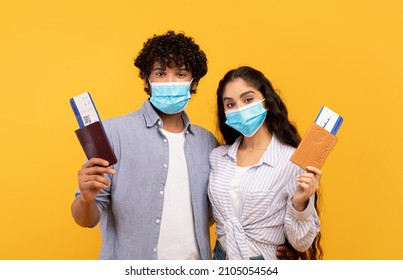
(170, 97)
(247, 119)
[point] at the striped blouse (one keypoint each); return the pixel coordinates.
(267, 216)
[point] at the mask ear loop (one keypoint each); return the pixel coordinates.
(265, 105)
(191, 90)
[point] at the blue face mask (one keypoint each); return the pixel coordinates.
(247, 119)
(170, 97)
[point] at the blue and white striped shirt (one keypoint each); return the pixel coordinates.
(267, 215)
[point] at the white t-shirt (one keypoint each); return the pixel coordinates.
(236, 201)
(177, 238)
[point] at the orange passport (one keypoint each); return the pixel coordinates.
(314, 148)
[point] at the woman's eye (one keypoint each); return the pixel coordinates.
(249, 100)
(159, 74)
(230, 105)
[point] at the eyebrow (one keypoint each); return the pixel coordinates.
(242, 95)
(183, 68)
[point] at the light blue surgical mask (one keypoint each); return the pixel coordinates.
(170, 97)
(247, 119)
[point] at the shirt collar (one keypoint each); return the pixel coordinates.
(269, 157)
(152, 118)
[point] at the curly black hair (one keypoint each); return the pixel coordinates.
(172, 49)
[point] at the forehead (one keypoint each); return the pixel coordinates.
(236, 87)
(159, 66)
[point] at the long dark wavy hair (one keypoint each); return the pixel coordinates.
(172, 49)
(276, 120)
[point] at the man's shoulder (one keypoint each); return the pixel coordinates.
(203, 133)
(201, 130)
(123, 119)
(129, 122)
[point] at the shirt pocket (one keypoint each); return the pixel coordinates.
(256, 204)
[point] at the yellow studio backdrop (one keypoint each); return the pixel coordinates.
(344, 54)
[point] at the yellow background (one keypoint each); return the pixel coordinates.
(344, 54)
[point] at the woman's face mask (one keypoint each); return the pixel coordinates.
(170, 97)
(247, 119)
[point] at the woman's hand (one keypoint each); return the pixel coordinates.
(308, 184)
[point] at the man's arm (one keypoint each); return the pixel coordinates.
(85, 214)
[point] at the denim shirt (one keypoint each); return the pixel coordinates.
(131, 208)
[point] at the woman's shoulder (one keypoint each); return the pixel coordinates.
(282, 147)
(220, 151)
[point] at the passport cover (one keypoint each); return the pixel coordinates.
(314, 148)
(95, 143)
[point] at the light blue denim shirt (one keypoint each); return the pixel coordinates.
(131, 208)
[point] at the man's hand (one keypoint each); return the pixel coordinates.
(286, 252)
(91, 178)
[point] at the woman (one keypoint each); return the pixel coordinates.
(259, 197)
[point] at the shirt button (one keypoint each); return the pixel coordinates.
(155, 249)
(165, 165)
(165, 140)
(161, 193)
(159, 122)
(157, 221)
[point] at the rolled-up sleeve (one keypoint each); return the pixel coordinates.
(301, 227)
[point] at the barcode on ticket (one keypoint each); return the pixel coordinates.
(84, 109)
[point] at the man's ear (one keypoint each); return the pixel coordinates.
(147, 86)
(194, 87)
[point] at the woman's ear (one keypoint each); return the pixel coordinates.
(266, 105)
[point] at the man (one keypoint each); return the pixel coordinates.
(152, 204)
